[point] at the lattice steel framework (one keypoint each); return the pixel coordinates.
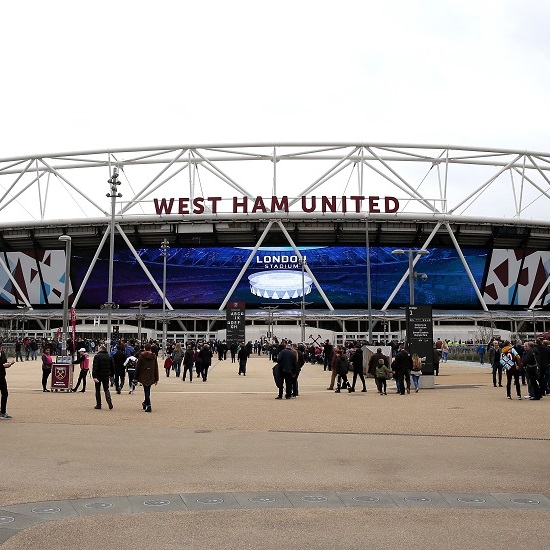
(46, 195)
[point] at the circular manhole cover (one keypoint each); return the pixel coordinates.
(46, 510)
(156, 502)
(314, 499)
(210, 500)
(99, 505)
(471, 500)
(262, 499)
(366, 499)
(525, 501)
(418, 499)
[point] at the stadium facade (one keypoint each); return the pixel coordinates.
(293, 230)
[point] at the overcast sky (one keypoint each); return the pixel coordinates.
(114, 73)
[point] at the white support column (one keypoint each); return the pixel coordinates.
(143, 266)
(298, 253)
(245, 266)
(92, 265)
(466, 267)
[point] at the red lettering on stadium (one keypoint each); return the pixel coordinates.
(266, 205)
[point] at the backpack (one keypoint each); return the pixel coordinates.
(507, 360)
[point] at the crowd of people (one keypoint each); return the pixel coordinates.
(525, 364)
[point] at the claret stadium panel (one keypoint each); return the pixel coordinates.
(277, 225)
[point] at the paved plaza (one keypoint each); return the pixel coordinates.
(222, 464)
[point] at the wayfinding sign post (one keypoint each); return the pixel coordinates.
(235, 316)
(420, 335)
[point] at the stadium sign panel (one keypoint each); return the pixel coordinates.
(356, 203)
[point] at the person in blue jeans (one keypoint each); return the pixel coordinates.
(481, 353)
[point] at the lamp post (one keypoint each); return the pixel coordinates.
(533, 309)
(270, 320)
(164, 248)
(67, 240)
(303, 261)
(113, 195)
(412, 274)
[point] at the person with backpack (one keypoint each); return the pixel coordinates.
(511, 362)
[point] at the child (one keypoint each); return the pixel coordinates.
(130, 365)
(383, 373)
(168, 365)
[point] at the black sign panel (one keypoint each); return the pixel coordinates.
(236, 322)
(420, 335)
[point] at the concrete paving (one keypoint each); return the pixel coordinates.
(222, 463)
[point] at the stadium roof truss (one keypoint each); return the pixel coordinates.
(290, 193)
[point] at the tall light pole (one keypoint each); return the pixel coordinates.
(113, 195)
(67, 240)
(303, 261)
(412, 275)
(534, 321)
(164, 248)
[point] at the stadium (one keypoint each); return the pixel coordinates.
(161, 239)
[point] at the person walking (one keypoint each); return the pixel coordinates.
(481, 353)
(130, 365)
(494, 358)
(531, 371)
(205, 355)
(4, 364)
(357, 363)
(177, 358)
(188, 363)
(417, 369)
(300, 362)
(103, 369)
(147, 373)
(47, 363)
(84, 362)
(403, 367)
(436, 360)
(444, 353)
(18, 354)
(382, 374)
(342, 368)
(328, 353)
(242, 356)
(288, 365)
(119, 358)
(511, 361)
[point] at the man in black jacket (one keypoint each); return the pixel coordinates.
(119, 358)
(542, 352)
(102, 371)
(4, 364)
(288, 365)
(403, 366)
(531, 365)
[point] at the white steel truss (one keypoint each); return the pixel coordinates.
(439, 184)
